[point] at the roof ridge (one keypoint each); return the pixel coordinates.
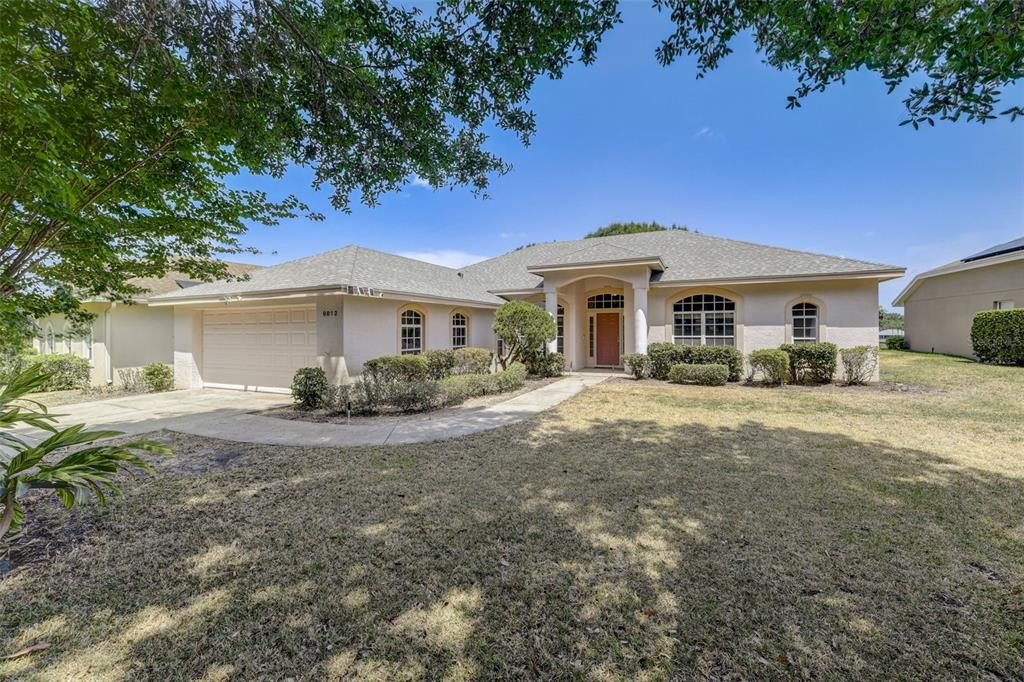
(786, 248)
(614, 246)
(415, 260)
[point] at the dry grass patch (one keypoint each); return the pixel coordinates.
(638, 531)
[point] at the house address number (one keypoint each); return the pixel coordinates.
(329, 313)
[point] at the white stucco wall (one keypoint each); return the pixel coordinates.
(848, 311)
(371, 328)
(366, 328)
(138, 336)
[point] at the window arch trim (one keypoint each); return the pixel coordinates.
(678, 295)
(822, 333)
(409, 341)
(453, 328)
(704, 319)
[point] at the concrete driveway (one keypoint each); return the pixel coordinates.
(171, 410)
(231, 415)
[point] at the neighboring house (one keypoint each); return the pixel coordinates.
(123, 336)
(939, 305)
(610, 296)
(884, 334)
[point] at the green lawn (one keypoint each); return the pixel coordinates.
(639, 531)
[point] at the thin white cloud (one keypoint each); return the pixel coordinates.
(512, 235)
(704, 132)
(417, 181)
(450, 258)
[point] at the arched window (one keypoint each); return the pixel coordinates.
(560, 321)
(805, 323)
(704, 320)
(605, 301)
(49, 339)
(411, 332)
(460, 330)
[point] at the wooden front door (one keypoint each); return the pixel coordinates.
(607, 338)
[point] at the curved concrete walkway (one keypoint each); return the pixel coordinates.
(254, 428)
(229, 415)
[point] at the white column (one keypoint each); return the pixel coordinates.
(551, 305)
(188, 341)
(640, 319)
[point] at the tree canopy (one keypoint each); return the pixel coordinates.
(631, 228)
(889, 319)
(122, 121)
(957, 55)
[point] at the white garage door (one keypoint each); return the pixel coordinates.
(258, 349)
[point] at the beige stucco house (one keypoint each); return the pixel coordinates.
(610, 296)
(123, 336)
(939, 305)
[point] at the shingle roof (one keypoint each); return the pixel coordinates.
(688, 256)
(353, 266)
(595, 251)
(175, 280)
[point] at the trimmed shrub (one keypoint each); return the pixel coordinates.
(461, 387)
(440, 363)
(393, 368)
(158, 377)
(772, 364)
(132, 379)
(897, 343)
(998, 336)
(546, 364)
(703, 375)
(66, 372)
(416, 396)
(811, 362)
(859, 364)
(365, 397)
(511, 379)
(664, 355)
(637, 364)
(473, 361)
(310, 390)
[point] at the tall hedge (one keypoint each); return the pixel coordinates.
(998, 336)
(664, 355)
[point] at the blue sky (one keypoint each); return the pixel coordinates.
(626, 139)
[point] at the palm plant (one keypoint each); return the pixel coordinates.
(78, 476)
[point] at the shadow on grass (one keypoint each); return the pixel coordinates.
(606, 549)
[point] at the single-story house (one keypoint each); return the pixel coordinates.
(123, 336)
(939, 305)
(609, 295)
(884, 334)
